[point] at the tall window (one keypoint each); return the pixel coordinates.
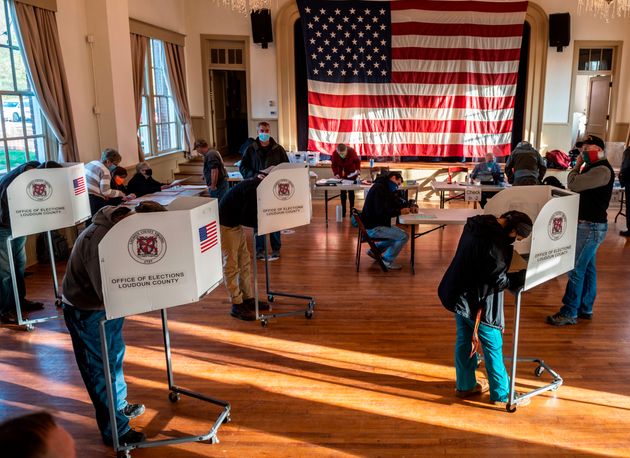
(160, 129)
(22, 133)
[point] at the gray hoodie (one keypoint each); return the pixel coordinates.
(82, 282)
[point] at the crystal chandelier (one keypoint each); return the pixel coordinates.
(244, 6)
(605, 9)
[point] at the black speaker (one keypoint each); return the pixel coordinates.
(261, 27)
(559, 30)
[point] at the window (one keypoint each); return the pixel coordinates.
(160, 130)
(22, 128)
(595, 60)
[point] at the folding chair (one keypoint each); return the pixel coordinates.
(363, 237)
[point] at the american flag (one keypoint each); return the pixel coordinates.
(208, 236)
(79, 185)
(412, 77)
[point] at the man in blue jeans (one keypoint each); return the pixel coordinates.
(382, 203)
(593, 178)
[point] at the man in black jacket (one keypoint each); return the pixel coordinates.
(470, 288)
(382, 203)
(624, 180)
(261, 154)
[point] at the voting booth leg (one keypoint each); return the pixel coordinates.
(264, 318)
(513, 399)
(29, 324)
(174, 396)
(53, 266)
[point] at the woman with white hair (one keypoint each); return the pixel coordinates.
(143, 182)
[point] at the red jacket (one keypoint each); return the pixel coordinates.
(344, 167)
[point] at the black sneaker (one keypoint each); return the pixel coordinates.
(31, 306)
(560, 320)
(262, 305)
(260, 256)
(274, 256)
(624, 233)
(242, 312)
(130, 437)
(9, 318)
(133, 410)
(585, 316)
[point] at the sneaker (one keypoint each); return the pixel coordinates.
(523, 403)
(130, 437)
(481, 387)
(133, 410)
(585, 316)
(391, 265)
(31, 306)
(260, 256)
(625, 233)
(274, 256)
(242, 312)
(560, 320)
(9, 318)
(251, 305)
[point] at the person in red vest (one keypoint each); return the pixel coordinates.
(346, 164)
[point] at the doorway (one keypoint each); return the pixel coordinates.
(228, 109)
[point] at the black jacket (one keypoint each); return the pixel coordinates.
(381, 205)
(478, 272)
(258, 157)
(624, 173)
(140, 186)
(239, 206)
(5, 181)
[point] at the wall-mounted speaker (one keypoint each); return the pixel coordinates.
(559, 30)
(261, 27)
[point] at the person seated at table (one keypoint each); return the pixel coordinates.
(383, 203)
(471, 289)
(119, 175)
(346, 165)
(35, 435)
(488, 172)
(143, 183)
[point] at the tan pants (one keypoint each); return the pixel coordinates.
(237, 272)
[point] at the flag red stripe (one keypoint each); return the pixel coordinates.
(473, 30)
(484, 79)
(483, 55)
(206, 248)
(440, 5)
(410, 125)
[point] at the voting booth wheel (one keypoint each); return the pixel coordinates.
(263, 323)
(269, 298)
(29, 327)
(308, 314)
(123, 454)
(510, 407)
(174, 397)
(58, 302)
(539, 371)
(213, 440)
(227, 419)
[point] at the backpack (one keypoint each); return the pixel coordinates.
(60, 247)
(557, 159)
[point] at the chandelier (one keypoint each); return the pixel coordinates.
(605, 9)
(245, 6)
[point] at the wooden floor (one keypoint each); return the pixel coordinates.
(370, 375)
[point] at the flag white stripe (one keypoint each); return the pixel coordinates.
(454, 66)
(448, 17)
(406, 138)
(457, 42)
(323, 87)
(438, 114)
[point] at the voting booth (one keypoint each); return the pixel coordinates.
(154, 261)
(548, 252)
(42, 200)
(283, 202)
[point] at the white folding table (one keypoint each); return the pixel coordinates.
(441, 187)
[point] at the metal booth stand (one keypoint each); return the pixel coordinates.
(154, 261)
(42, 200)
(548, 253)
(284, 201)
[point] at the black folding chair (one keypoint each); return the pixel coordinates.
(363, 237)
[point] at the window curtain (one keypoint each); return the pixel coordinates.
(139, 45)
(176, 64)
(39, 39)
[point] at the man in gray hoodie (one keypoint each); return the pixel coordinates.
(525, 166)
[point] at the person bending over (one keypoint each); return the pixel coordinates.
(35, 435)
(346, 165)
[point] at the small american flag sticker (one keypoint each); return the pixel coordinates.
(208, 237)
(79, 185)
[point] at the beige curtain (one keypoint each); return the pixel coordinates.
(39, 39)
(176, 65)
(139, 45)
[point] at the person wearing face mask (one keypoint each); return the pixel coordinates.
(346, 165)
(488, 172)
(592, 178)
(383, 203)
(471, 289)
(119, 175)
(263, 153)
(143, 183)
(98, 178)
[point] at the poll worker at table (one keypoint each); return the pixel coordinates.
(470, 289)
(624, 180)
(119, 175)
(143, 183)
(237, 209)
(345, 164)
(261, 154)
(488, 172)
(83, 309)
(98, 177)
(383, 203)
(525, 166)
(214, 172)
(35, 435)
(8, 314)
(592, 178)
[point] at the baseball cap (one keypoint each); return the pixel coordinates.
(593, 140)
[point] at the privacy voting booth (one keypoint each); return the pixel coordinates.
(154, 261)
(283, 202)
(549, 252)
(42, 200)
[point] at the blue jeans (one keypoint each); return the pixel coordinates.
(7, 297)
(491, 341)
(581, 290)
(274, 238)
(391, 247)
(86, 342)
(222, 189)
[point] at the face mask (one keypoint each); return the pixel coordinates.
(591, 156)
(112, 167)
(119, 180)
(343, 155)
(264, 136)
(148, 172)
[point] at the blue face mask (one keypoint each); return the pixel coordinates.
(112, 167)
(392, 186)
(264, 136)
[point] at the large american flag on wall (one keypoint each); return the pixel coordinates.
(412, 77)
